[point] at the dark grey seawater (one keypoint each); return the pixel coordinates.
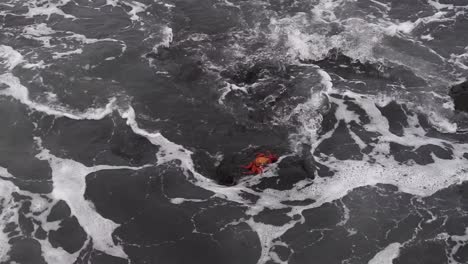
(124, 124)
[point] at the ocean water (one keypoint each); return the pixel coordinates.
(125, 123)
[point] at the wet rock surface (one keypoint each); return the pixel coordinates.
(459, 94)
(230, 170)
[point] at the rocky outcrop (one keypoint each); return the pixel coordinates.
(230, 170)
(459, 94)
(291, 169)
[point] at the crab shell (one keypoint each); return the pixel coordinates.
(262, 161)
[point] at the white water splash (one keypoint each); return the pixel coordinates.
(11, 58)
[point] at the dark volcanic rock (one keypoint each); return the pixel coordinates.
(70, 236)
(26, 224)
(214, 219)
(22, 245)
(298, 202)
(110, 140)
(421, 155)
(40, 233)
(418, 253)
(396, 117)
(277, 217)
(129, 188)
(93, 256)
(350, 68)
(341, 145)
(249, 74)
(462, 254)
(459, 94)
(60, 211)
(18, 151)
(292, 170)
(282, 252)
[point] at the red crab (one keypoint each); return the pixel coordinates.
(260, 162)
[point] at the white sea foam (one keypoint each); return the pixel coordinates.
(229, 88)
(460, 60)
(112, 2)
(267, 234)
(40, 208)
(302, 42)
(350, 174)
(58, 55)
(170, 151)
(56, 255)
(65, 43)
(40, 32)
(420, 180)
(427, 37)
(4, 173)
(387, 255)
(39, 8)
(10, 57)
(37, 30)
(19, 92)
(183, 200)
(408, 178)
(460, 240)
(365, 38)
(404, 27)
(357, 41)
(137, 7)
(69, 185)
(7, 214)
(165, 37)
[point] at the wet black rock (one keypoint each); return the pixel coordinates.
(295, 163)
(329, 120)
(276, 217)
(18, 152)
(40, 233)
(19, 246)
(418, 253)
(291, 170)
(93, 256)
(341, 145)
(283, 252)
(249, 74)
(396, 117)
(190, 71)
(422, 155)
(350, 68)
(26, 224)
(214, 219)
(60, 211)
(459, 94)
(299, 202)
(70, 236)
(110, 140)
(129, 188)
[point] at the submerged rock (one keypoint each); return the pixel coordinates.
(246, 74)
(459, 94)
